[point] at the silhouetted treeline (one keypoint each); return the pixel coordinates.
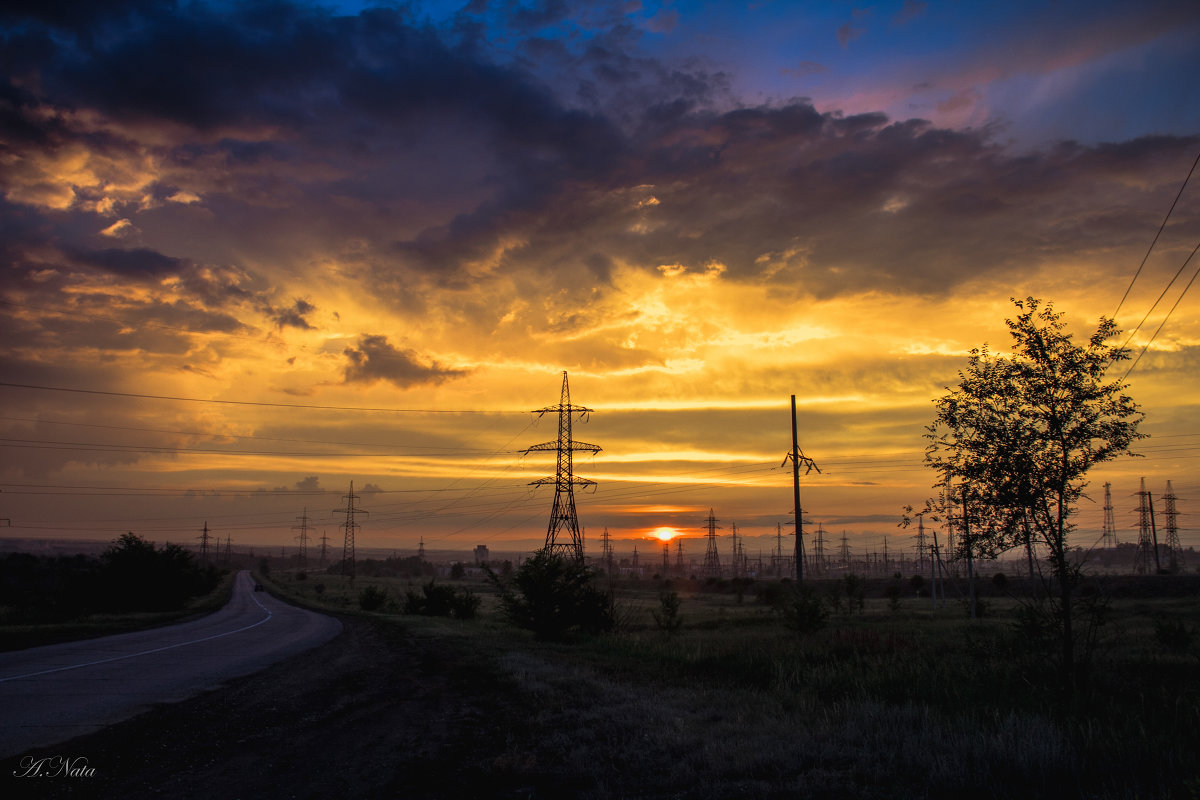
(131, 575)
(395, 567)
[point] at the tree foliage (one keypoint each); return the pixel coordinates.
(552, 596)
(137, 575)
(1013, 443)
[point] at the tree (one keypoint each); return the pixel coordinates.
(552, 595)
(1014, 441)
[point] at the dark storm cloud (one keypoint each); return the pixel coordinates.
(376, 359)
(561, 159)
(139, 262)
(294, 316)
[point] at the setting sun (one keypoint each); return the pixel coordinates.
(664, 533)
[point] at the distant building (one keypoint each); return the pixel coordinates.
(481, 554)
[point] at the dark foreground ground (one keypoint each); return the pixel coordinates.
(373, 713)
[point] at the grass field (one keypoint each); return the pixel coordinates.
(890, 700)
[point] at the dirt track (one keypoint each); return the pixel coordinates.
(373, 713)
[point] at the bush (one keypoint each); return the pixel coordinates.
(667, 616)
(1173, 635)
(552, 596)
(439, 600)
(805, 612)
(372, 598)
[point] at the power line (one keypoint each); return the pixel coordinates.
(215, 434)
(254, 403)
(1169, 313)
(1162, 294)
(1155, 240)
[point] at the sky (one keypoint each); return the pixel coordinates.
(254, 252)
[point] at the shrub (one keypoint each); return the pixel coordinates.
(552, 596)
(1173, 635)
(667, 616)
(805, 612)
(893, 592)
(439, 600)
(372, 598)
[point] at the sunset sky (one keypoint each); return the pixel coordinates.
(255, 251)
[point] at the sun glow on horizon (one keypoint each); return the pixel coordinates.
(664, 533)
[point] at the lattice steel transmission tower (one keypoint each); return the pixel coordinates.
(421, 549)
(819, 550)
(203, 537)
(563, 515)
(350, 526)
(1147, 537)
(921, 544)
(606, 551)
(778, 557)
(324, 547)
(1108, 537)
(712, 559)
(736, 564)
(1174, 550)
(679, 565)
(303, 537)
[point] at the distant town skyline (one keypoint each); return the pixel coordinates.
(254, 252)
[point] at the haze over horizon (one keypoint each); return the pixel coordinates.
(256, 251)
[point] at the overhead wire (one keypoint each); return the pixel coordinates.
(1169, 313)
(259, 404)
(1156, 236)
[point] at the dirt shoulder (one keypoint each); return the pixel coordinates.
(375, 712)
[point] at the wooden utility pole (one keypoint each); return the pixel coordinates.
(796, 457)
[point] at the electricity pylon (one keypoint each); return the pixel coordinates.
(303, 538)
(204, 542)
(349, 527)
(712, 559)
(1109, 535)
(1174, 550)
(921, 543)
(562, 515)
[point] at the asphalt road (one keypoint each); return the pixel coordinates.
(54, 693)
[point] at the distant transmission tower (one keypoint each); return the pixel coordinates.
(1147, 548)
(1109, 537)
(712, 559)
(679, 566)
(778, 558)
(562, 515)
(921, 544)
(421, 549)
(349, 527)
(845, 551)
(819, 550)
(736, 566)
(1174, 550)
(666, 567)
(606, 551)
(303, 538)
(228, 549)
(204, 542)
(324, 547)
